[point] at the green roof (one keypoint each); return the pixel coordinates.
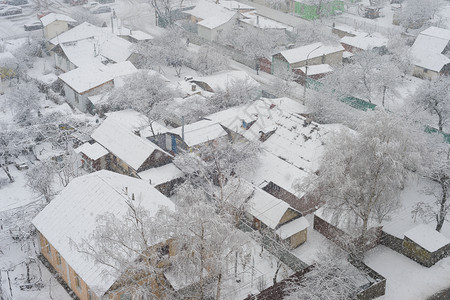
(429, 129)
(357, 103)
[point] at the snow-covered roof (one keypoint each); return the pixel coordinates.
(222, 80)
(124, 143)
(52, 17)
(347, 54)
(80, 32)
(200, 132)
(317, 69)
(365, 41)
(93, 151)
(262, 22)
(88, 77)
(346, 28)
(235, 5)
(428, 238)
(309, 51)
(157, 176)
(426, 52)
(266, 208)
(294, 139)
(437, 32)
(271, 168)
(289, 229)
(71, 218)
(208, 9)
(140, 35)
(217, 20)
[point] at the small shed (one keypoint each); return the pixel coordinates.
(55, 24)
(425, 245)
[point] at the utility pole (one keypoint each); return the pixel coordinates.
(306, 74)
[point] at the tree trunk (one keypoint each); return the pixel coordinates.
(219, 282)
(6, 169)
(440, 218)
(276, 272)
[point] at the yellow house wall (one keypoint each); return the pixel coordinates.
(289, 215)
(331, 59)
(82, 292)
(298, 238)
(55, 28)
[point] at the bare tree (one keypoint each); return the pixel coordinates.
(434, 96)
(332, 277)
(40, 178)
(208, 61)
(361, 174)
(24, 100)
(437, 169)
(416, 12)
(237, 92)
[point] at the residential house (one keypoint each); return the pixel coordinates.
(68, 222)
(87, 81)
(313, 54)
(267, 212)
(100, 47)
(364, 42)
(292, 146)
(94, 156)
(54, 24)
(315, 72)
(254, 20)
(222, 81)
(195, 135)
(130, 153)
(212, 19)
(429, 53)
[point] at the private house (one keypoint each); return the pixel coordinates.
(429, 53)
(66, 224)
(311, 11)
(56, 24)
(224, 80)
(78, 33)
(292, 146)
(195, 135)
(91, 51)
(315, 72)
(130, 153)
(212, 19)
(253, 20)
(81, 83)
(364, 41)
(269, 213)
(313, 54)
(93, 156)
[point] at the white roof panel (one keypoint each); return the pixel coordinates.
(93, 151)
(166, 173)
(200, 132)
(428, 238)
(309, 51)
(289, 229)
(52, 17)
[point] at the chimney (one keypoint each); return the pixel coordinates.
(257, 20)
(132, 196)
(126, 190)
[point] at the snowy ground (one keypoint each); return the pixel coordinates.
(406, 279)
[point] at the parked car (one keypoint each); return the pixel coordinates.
(101, 10)
(33, 26)
(17, 2)
(91, 5)
(11, 10)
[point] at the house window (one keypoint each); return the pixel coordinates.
(58, 259)
(77, 282)
(49, 249)
(163, 251)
